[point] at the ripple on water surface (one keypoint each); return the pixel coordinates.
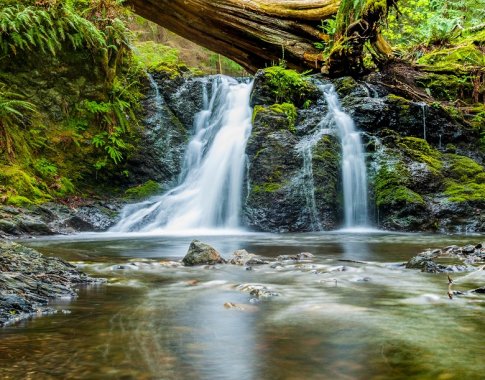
(350, 313)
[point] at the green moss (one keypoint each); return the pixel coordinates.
(146, 190)
(459, 192)
(390, 186)
(453, 69)
(462, 168)
(466, 179)
(456, 58)
(419, 150)
(287, 109)
(266, 187)
(18, 200)
(345, 85)
(399, 101)
(447, 87)
(157, 57)
(19, 182)
(326, 150)
(288, 86)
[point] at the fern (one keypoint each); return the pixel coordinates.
(15, 114)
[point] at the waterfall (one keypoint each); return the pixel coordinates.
(210, 183)
(354, 173)
(424, 107)
(158, 98)
(305, 149)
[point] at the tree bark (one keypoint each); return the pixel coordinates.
(254, 33)
(260, 33)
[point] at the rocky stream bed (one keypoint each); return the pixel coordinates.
(29, 280)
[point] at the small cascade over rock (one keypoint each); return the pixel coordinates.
(354, 172)
(211, 181)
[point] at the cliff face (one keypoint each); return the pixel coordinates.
(425, 168)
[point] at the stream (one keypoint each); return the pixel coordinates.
(350, 313)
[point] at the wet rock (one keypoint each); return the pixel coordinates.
(468, 249)
(303, 256)
(264, 91)
(257, 290)
(201, 254)
(427, 261)
(479, 290)
(243, 257)
(52, 218)
(29, 280)
(34, 227)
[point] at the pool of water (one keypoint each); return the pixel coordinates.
(351, 313)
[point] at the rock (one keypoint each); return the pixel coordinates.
(52, 218)
(35, 227)
(257, 290)
(468, 249)
(426, 261)
(303, 256)
(200, 254)
(243, 257)
(29, 280)
(8, 227)
(479, 290)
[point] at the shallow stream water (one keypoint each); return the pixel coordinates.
(351, 313)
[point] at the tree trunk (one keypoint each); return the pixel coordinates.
(255, 33)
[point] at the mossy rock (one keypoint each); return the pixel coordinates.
(146, 190)
(419, 150)
(22, 187)
(279, 85)
(286, 109)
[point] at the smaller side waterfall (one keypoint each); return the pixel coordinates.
(424, 108)
(158, 97)
(354, 173)
(305, 149)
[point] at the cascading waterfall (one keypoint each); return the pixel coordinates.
(305, 149)
(354, 173)
(210, 184)
(424, 107)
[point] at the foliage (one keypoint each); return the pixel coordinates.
(289, 110)
(329, 29)
(431, 22)
(161, 58)
(46, 29)
(49, 26)
(288, 86)
(72, 61)
(15, 115)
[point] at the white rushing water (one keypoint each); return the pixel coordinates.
(210, 185)
(354, 173)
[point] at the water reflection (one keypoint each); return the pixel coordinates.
(355, 250)
(331, 320)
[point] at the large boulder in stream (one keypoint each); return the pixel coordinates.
(202, 254)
